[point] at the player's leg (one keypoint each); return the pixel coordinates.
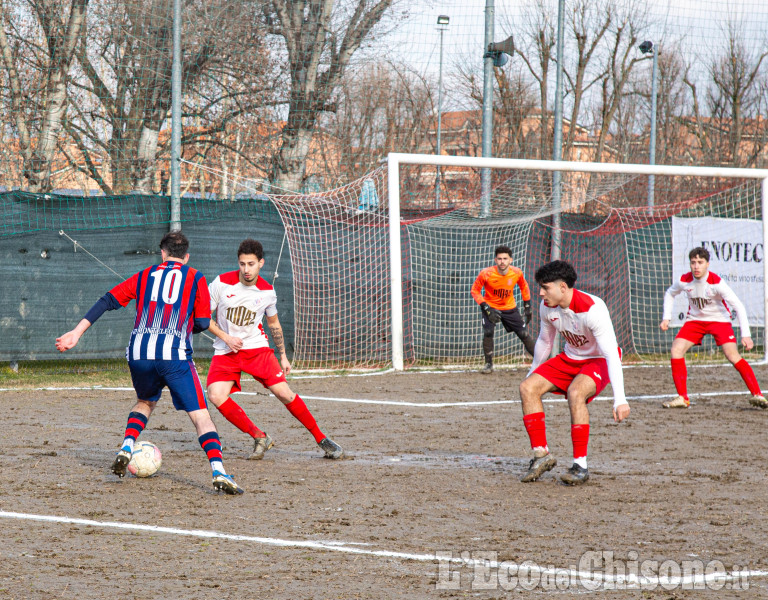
(300, 411)
(488, 330)
(513, 321)
(148, 385)
(580, 393)
(223, 380)
(731, 351)
(532, 389)
(188, 395)
(685, 340)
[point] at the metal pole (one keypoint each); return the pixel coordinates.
(176, 120)
(557, 144)
(764, 200)
(485, 174)
(652, 148)
(395, 263)
(439, 120)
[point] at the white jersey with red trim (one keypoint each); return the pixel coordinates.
(708, 300)
(240, 310)
(588, 332)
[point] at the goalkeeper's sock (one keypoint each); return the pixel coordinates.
(136, 424)
(299, 410)
(233, 413)
(748, 375)
(537, 430)
(680, 376)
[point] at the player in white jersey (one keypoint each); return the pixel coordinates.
(240, 300)
(709, 298)
(590, 360)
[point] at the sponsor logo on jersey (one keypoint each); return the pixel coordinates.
(574, 339)
(699, 303)
(241, 316)
(553, 319)
(231, 295)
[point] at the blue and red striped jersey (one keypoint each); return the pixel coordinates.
(169, 297)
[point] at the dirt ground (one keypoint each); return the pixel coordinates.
(419, 479)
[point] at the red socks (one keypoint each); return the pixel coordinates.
(580, 438)
(537, 431)
(680, 376)
(236, 415)
(299, 410)
(748, 375)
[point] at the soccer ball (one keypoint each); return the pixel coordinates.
(145, 460)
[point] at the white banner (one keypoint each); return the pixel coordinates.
(736, 254)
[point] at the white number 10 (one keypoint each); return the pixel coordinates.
(170, 287)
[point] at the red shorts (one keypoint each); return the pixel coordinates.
(694, 331)
(258, 362)
(560, 371)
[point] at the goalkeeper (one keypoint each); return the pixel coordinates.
(498, 304)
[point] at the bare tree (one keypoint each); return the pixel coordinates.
(733, 100)
(320, 38)
(53, 49)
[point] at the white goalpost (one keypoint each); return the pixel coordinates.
(608, 234)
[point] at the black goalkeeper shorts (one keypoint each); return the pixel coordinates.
(512, 320)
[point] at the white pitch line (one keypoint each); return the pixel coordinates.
(551, 400)
(349, 548)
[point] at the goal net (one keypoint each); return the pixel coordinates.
(384, 266)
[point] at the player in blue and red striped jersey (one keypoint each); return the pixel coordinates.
(708, 300)
(590, 359)
(172, 303)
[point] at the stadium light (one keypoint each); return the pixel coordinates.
(442, 25)
(647, 47)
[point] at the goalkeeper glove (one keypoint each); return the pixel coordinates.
(493, 315)
(528, 312)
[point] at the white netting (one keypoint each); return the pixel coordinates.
(622, 251)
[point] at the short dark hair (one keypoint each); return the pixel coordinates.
(250, 246)
(557, 270)
(502, 250)
(699, 252)
(175, 244)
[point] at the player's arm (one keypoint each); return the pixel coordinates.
(276, 331)
(544, 343)
(732, 300)
(107, 302)
(525, 292)
(235, 343)
(492, 314)
(669, 301)
(605, 336)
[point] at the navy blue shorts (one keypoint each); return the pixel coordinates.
(151, 376)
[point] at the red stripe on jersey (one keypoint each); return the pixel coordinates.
(262, 284)
(230, 278)
(202, 308)
(143, 278)
(687, 278)
(713, 279)
(581, 302)
(183, 320)
(125, 291)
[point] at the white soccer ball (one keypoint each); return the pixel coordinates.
(145, 460)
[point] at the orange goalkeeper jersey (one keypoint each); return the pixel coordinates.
(499, 288)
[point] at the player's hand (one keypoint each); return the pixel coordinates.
(528, 312)
(284, 362)
(747, 343)
(492, 314)
(67, 341)
(235, 343)
(620, 412)
(664, 325)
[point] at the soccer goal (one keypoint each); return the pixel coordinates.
(626, 228)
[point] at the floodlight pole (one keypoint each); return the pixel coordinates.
(176, 120)
(557, 143)
(652, 146)
(442, 22)
(487, 143)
